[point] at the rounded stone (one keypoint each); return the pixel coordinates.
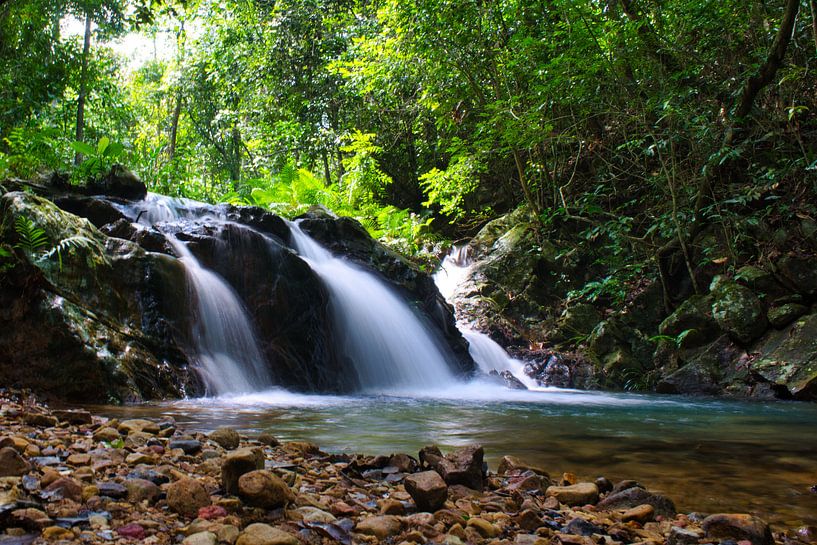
(263, 489)
(264, 534)
(187, 496)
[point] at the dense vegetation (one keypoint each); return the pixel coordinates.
(634, 125)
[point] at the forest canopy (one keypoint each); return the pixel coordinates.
(640, 121)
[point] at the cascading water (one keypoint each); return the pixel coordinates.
(228, 357)
(388, 344)
(488, 355)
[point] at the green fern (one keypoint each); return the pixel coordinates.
(76, 241)
(32, 238)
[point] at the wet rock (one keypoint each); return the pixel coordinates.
(132, 531)
(737, 310)
(641, 513)
(684, 536)
(188, 446)
(381, 527)
(261, 488)
(580, 527)
(66, 488)
(112, 490)
(138, 425)
(462, 466)
(788, 358)
(142, 490)
(107, 435)
(403, 463)
(42, 420)
(238, 463)
(798, 274)
(636, 496)
(693, 318)
(264, 534)
(427, 489)
(511, 463)
(12, 464)
(119, 182)
(268, 439)
(577, 494)
(226, 438)
(604, 485)
(187, 496)
(483, 527)
(201, 538)
(76, 417)
(738, 527)
(783, 315)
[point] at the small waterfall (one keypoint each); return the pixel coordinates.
(227, 356)
(485, 351)
(386, 341)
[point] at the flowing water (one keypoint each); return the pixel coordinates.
(389, 345)
(708, 455)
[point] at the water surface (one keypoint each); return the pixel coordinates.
(707, 455)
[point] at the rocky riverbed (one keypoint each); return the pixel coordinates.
(70, 476)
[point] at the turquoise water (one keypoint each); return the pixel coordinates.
(707, 455)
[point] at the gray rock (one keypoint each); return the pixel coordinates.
(633, 497)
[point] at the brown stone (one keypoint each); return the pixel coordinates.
(66, 487)
(54, 533)
(738, 527)
(226, 438)
(142, 490)
(577, 494)
(42, 420)
(511, 463)
(427, 489)
(237, 463)
(77, 417)
(187, 496)
(483, 527)
(264, 489)
(107, 435)
(264, 534)
(640, 513)
(381, 527)
(12, 464)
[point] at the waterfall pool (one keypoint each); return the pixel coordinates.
(707, 455)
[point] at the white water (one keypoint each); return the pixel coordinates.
(487, 354)
(387, 342)
(227, 355)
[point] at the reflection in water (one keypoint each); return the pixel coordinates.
(707, 455)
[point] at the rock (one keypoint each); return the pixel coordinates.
(188, 446)
(54, 533)
(462, 466)
(737, 310)
(788, 358)
(112, 490)
(201, 538)
(263, 489)
(107, 435)
(211, 512)
(403, 463)
(42, 420)
(603, 484)
(641, 513)
(512, 463)
(140, 490)
(798, 273)
(577, 494)
(580, 527)
(12, 464)
(483, 527)
(783, 315)
(684, 536)
(693, 318)
(264, 534)
(634, 497)
(576, 322)
(138, 425)
(66, 488)
(528, 520)
(738, 527)
(268, 439)
(381, 527)
(119, 182)
(427, 489)
(313, 514)
(187, 496)
(238, 463)
(226, 438)
(132, 530)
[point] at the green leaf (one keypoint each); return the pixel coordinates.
(114, 150)
(82, 147)
(102, 145)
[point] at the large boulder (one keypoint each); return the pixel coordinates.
(788, 358)
(738, 311)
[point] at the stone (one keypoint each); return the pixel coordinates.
(738, 527)
(138, 425)
(140, 458)
(512, 463)
(17, 443)
(798, 273)
(308, 513)
(41, 420)
(140, 490)
(211, 512)
(381, 526)
(268, 439)
(261, 488)
(577, 321)
(684, 536)
(580, 527)
(107, 435)
(228, 534)
(788, 358)
(462, 466)
(483, 527)
(54, 533)
(67, 488)
(76, 417)
(264, 534)
(112, 490)
(226, 438)
(132, 530)
(528, 520)
(187, 496)
(634, 497)
(236, 464)
(188, 446)
(12, 464)
(201, 538)
(737, 310)
(79, 459)
(783, 315)
(693, 319)
(427, 489)
(641, 513)
(577, 494)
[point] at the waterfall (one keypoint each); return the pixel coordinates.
(387, 342)
(488, 355)
(227, 355)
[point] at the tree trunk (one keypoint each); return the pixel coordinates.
(174, 126)
(813, 4)
(327, 177)
(523, 181)
(83, 84)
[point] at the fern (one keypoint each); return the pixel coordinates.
(32, 238)
(76, 242)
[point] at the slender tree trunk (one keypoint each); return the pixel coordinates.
(813, 5)
(523, 181)
(174, 126)
(327, 177)
(83, 84)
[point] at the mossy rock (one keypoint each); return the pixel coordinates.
(798, 273)
(692, 319)
(738, 311)
(783, 315)
(576, 322)
(788, 358)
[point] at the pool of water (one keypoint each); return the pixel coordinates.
(707, 455)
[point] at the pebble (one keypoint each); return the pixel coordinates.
(381, 527)
(264, 534)
(261, 488)
(577, 494)
(12, 464)
(188, 446)
(738, 527)
(187, 496)
(226, 438)
(427, 489)
(236, 464)
(201, 538)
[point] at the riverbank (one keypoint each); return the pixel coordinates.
(73, 476)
